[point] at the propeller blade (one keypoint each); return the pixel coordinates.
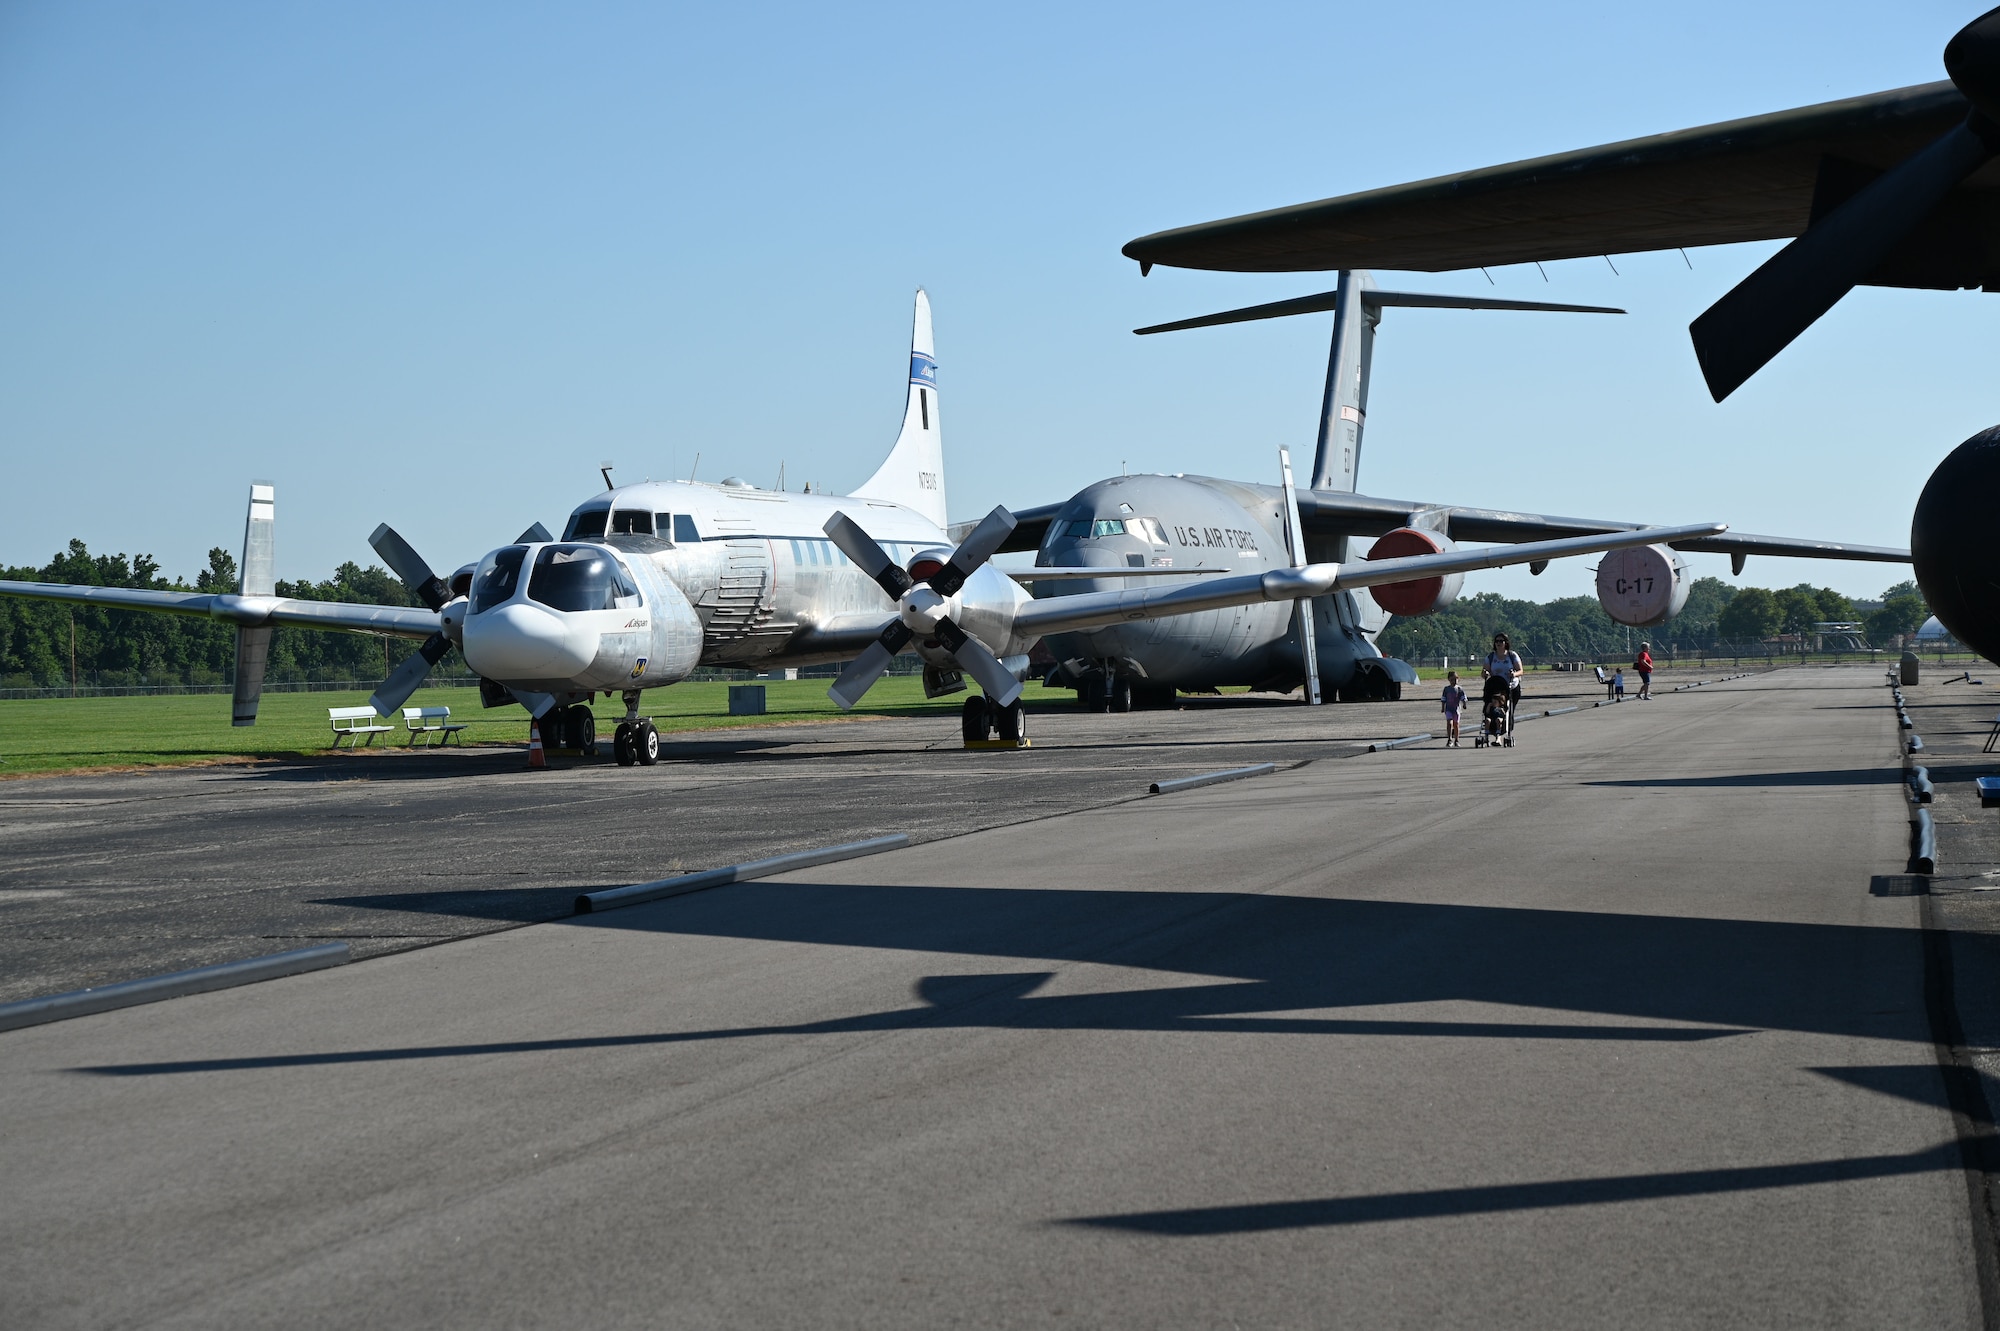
(991, 533)
(865, 669)
(535, 535)
(869, 557)
(406, 678)
(999, 683)
(1737, 335)
(403, 559)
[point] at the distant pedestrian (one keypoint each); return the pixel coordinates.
(1454, 703)
(1503, 670)
(1618, 686)
(1644, 665)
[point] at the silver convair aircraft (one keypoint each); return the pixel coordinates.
(650, 581)
(1198, 524)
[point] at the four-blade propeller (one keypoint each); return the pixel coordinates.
(1737, 335)
(920, 608)
(416, 574)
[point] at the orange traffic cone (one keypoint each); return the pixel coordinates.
(535, 758)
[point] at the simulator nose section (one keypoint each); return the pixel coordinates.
(522, 640)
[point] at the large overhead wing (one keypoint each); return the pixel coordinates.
(1761, 178)
(1895, 188)
(1064, 614)
(396, 621)
(1329, 513)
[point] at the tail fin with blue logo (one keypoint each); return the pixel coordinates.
(913, 473)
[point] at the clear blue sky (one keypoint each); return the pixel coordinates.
(430, 263)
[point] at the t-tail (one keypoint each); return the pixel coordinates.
(1357, 307)
(913, 473)
(257, 576)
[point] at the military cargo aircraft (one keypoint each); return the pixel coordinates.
(649, 581)
(1892, 189)
(1156, 523)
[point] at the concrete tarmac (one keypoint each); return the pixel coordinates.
(116, 876)
(1605, 1029)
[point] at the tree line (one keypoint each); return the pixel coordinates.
(1717, 617)
(126, 648)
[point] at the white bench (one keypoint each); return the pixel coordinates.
(349, 722)
(427, 721)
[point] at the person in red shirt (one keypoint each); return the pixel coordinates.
(1644, 665)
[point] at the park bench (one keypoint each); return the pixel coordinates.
(428, 721)
(349, 722)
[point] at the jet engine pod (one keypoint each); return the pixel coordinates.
(1424, 595)
(1952, 543)
(1642, 585)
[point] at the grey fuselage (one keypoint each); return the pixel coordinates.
(1198, 522)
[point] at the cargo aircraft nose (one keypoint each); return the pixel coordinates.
(523, 640)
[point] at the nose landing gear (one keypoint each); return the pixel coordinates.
(636, 742)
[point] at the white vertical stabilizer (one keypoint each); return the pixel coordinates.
(913, 473)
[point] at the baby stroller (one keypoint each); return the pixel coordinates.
(1496, 716)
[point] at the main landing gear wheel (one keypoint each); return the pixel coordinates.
(583, 729)
(1096, 694)
(1120, 695)
(1012, 722)
(976, 719)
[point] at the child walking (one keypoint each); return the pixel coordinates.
(1454, 703)
(1618, 686)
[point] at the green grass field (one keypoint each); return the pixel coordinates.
(80, 734)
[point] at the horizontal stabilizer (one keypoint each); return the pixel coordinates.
(1327, 300)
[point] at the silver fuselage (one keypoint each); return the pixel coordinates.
(724, 576)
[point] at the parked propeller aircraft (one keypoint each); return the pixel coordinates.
(1889, 189)
(649, 581)
(1199, 523)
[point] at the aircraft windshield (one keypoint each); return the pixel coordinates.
(584, 525)
(626, 522)
(499, 573)
(580, 577)
(1088, 527)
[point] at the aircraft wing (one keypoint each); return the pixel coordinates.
(1332, 513)
(252, 611)
(1760, 178)
(1064, 614)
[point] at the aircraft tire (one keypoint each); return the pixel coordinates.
(1013, 721)
(976, 719)
(583, 729)
(622, 747)
(646, 741)
(1121, 695)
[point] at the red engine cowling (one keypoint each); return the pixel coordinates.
(1425, 595)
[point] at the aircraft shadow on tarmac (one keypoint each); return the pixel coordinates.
(1943, 1088)
(1268, 958)
(1261, 955)
(1857, 776)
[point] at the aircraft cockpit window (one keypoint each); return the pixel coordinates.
(1149, 528)
(585, 524)
(1077, 530)
(627, 522)
(684, 529)
(663, 526)
(1107, 527)
(581, 577)
(497, 577)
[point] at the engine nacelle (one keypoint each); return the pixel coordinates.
(1957, 561)
(1425, 595)
(1642, 585)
